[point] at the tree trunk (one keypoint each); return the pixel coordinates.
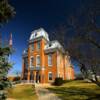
(95, 82)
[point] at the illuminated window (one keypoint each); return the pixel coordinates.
(49, 60)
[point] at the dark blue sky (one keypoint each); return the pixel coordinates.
(31, 15)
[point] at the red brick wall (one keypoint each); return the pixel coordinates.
(52, 68)
(44, 63)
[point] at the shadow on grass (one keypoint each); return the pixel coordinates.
(75, 93)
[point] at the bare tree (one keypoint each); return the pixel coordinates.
(84, 44)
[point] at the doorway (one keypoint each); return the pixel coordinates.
(37, 77)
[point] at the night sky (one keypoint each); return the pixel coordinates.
(31, 15)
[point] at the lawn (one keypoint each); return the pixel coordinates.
(77, 90)
(22, 92)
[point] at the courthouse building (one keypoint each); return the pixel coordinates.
(44, 60)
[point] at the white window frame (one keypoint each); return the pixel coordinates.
(32, 48)
(31, 64)
(36, 60)
(38, 45)
(48, 76)
(49, 64)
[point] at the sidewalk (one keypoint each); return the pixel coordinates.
(45, 94)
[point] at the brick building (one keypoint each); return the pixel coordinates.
(44, 60)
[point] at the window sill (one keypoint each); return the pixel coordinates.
(50, 65)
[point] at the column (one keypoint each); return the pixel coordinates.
(28, 75)
(38, 77)
(22, 75)
(34, 76)
(42, 74)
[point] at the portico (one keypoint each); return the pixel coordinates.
(34, 76)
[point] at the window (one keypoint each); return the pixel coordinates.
(50, 45)
(32, 47)
(38, 60)
(26, 62)
(50, 76)
(35, 34)
(31, 61)
(49, 60)
(38, 45)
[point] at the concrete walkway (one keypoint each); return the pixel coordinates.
(45, 94)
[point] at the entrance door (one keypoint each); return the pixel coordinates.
(37, 77)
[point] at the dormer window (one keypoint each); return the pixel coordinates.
(35, 34)
(50, 45)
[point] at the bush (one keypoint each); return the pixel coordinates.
(3, 95)
(12, 79)
(16, 78)
(58, 81)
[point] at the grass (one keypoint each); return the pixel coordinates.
(22, 92)
(77, 90)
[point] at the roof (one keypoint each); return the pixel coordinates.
(39, 33)
(50, 46)
(53, 45)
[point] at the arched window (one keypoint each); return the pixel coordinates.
(31, 61)
(49, 60)
(38, 60)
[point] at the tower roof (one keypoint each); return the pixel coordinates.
(53, 45)
(39, 33)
